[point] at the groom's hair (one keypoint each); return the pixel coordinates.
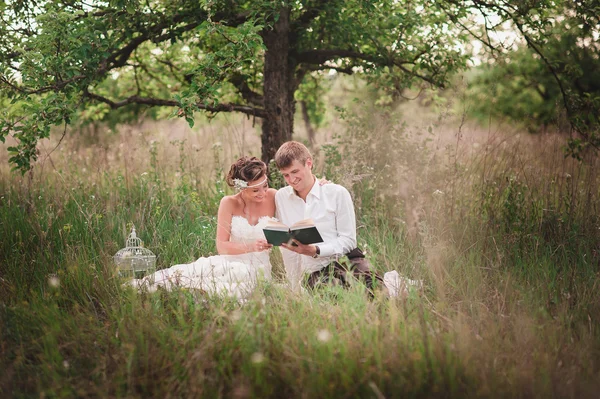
(289, 152)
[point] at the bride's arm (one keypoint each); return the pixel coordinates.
(224, 246)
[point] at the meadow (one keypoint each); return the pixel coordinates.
(502, 228)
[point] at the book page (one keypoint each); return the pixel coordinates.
(274, 225)
(303, 224)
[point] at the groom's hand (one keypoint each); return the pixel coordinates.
(299, 248)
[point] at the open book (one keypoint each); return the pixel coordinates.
(304, 231)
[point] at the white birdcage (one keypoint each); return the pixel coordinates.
(135, 261)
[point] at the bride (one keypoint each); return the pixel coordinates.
(243, 251)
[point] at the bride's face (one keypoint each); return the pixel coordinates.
(257, 190)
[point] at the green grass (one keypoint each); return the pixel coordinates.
(509, 309)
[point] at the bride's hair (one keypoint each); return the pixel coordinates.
(247, 169)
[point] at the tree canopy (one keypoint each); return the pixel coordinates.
(67, 61)
(60, 60)
(549, 70)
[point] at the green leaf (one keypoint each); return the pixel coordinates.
(190, 121)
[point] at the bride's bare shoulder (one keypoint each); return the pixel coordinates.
(230, 202)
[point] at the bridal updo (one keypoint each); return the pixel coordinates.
(247, 169)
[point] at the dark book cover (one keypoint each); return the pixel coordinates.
(305, 231)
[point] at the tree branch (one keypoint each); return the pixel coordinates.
(58, 86)
(302, 22)
(320, 56)
(120, 57)
(258, 112)
(347, 70)
(247, 93)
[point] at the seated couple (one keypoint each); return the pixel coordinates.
(243, 250)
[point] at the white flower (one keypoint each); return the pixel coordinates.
(53, 281)
(240, 184)
(323, 335)
(438, 193)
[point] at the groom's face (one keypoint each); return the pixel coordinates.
(299, 176)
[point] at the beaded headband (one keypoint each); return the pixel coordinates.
(242, 184)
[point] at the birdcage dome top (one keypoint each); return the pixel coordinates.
(133, 248)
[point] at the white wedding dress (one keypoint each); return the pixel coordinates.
(227, 275)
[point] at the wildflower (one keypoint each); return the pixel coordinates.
(323, 335)
(257, 358)
(438, 193)
(53, 281)
(66, 364)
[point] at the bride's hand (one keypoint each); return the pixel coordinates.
(323, 180)
(261, 245)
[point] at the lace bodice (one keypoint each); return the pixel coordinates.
(243, 231)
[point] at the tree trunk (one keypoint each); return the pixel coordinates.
(309, 129)
(279, 87)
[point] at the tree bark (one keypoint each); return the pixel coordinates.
(309, 129)
(279, 87)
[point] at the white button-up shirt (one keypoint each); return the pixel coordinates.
(330, 207)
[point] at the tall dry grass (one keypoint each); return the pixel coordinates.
(500, 226)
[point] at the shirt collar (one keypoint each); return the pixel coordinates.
(315, 190)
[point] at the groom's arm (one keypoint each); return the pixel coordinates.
(291, 261)
(345, 224)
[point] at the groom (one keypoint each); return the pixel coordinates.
(330, 207)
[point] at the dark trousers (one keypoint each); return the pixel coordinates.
(337, 274)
